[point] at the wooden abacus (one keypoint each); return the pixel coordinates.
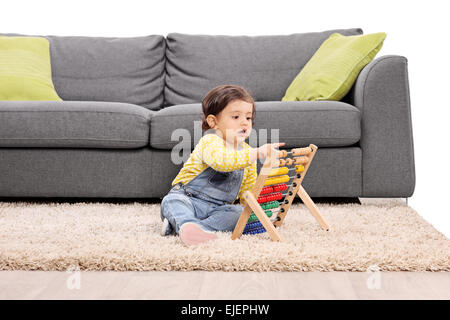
(271, 181)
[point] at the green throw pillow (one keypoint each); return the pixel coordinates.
(333, 69)
(25, 69)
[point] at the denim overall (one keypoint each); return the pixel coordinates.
(206, 200)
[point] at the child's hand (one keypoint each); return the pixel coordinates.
(264, 150)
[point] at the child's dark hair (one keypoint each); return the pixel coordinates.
(218, 98)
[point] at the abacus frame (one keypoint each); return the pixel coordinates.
(272, 161)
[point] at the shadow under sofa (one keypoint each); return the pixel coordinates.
(111, 137)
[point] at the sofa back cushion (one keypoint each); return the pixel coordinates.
(129, 70)
(264, 65)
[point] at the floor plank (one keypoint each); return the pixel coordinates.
(224, 285)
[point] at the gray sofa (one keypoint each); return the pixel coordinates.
(111, 137)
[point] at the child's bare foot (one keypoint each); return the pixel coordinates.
(192, 234)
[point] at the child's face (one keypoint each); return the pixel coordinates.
(235, 121)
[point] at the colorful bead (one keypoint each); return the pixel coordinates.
(279, 187)
(266, 190)
(254, 217)
(270, 205)
(276, 180)
(253, 228)
(278, 171)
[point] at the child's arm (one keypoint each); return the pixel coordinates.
(217, 156)
(248, 183)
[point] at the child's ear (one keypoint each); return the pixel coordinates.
(212, 121)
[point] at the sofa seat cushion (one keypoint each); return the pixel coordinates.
(323, 123)
(73, 124)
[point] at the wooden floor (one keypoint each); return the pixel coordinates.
(224, 285)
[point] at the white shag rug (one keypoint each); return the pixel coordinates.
(386, 235)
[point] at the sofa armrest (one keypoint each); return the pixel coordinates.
(381, 93)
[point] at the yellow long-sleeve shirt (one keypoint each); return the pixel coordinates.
(211, 151)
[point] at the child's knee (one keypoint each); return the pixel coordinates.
(238, 209)
(235, 212)
(174, 202)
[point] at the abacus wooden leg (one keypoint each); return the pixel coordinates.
(312, 208)
(263, 218)
(240, 225)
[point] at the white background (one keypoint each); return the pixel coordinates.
(416, 30)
